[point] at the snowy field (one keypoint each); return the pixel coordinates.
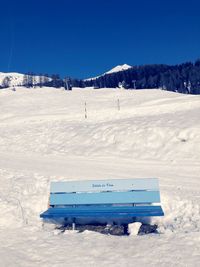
(44, 136)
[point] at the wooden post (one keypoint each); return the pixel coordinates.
(74, 224)
(134, 84)
(85, 110)
(118, 104)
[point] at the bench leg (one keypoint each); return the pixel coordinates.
(74, 225)
(110, 223)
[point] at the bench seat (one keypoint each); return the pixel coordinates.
(134, 211)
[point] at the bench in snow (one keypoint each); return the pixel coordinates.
(103, 201)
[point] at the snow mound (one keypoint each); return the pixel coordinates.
(181, 216)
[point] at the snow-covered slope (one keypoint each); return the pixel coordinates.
(115, 69)
(15, 79)
(119, 68)
(44, 136)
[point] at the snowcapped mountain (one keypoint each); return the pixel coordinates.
(15, 79)
(115, 69)
(119, 68)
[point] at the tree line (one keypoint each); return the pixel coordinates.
(31, 80)
(44, 80)
(182, 78)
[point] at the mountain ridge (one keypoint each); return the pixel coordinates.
(117, 68)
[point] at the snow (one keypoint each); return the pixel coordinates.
(113, 70)
(133, 228)
(16, 79)
(119, 68)
(44, 137)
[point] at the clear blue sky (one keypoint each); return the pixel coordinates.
(83, 38)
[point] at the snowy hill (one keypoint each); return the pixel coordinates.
(115, 69)
(16, 79)
(44, 136)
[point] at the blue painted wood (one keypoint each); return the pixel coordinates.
(94, 200)
(105, 198)
(111, 212)
(105, 185)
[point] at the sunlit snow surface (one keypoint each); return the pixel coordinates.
(44, 136)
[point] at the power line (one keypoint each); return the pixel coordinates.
(11, 46)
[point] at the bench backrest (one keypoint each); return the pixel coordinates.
(91, 192)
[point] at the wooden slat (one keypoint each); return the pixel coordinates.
(105, 185)
(97, 212)
(105, 198)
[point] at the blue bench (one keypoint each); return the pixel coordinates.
(103, 201)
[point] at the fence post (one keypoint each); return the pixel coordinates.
(85, 110)
(118, 104)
